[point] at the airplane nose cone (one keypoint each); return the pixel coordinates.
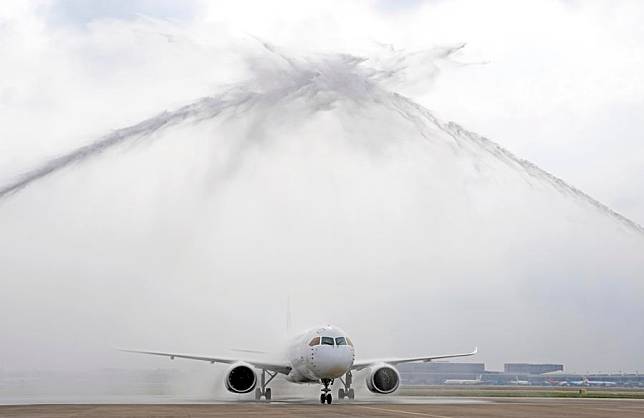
(331, 362)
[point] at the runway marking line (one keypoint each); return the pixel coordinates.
(397, 411)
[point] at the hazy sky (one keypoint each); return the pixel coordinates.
(304, 172)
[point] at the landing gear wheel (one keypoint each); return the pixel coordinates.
(329, 398)
(322, 398)
(267, 394)
(258, 394)
(347, 390)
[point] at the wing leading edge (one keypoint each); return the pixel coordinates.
(361, 364)
(283, 368)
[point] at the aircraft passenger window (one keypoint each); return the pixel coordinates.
(327, 340)
(349, 341)
(340, 341)
(315, 341)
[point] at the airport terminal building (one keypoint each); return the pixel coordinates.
(438, 373)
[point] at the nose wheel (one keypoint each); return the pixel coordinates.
(347, 391)
(326, 396)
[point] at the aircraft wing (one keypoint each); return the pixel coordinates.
(279, 367)
(361, 364)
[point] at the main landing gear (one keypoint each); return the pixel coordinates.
(326, 392)
(347, 390)
(263, 390)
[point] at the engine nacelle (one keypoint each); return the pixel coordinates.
(383, 378)
(241, 378)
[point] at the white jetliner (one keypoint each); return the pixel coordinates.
(586, 382)
(518, 382)
(319, 355)
(477, 381)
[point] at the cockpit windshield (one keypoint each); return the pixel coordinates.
(327, 340)
(330, 341)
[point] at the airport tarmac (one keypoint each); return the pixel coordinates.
(425, 407)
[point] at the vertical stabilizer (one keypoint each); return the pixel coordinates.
(289, 321)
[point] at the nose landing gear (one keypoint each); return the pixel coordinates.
(347, 391)
(326, 392)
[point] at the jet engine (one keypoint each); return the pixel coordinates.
(241, 378)
(383, 378)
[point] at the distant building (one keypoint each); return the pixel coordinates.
(527, 368)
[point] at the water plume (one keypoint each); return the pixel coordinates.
(340, 76)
